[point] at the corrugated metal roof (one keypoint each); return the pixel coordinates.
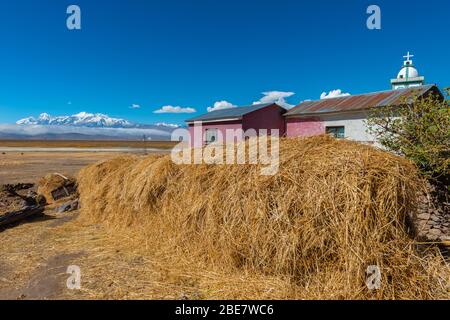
(231, 113)
(358, 102)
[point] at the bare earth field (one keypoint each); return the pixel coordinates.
(28, 167)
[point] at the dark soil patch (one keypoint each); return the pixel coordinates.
(47, 282)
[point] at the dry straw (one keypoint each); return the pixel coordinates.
(334, 208)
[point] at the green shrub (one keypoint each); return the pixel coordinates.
(418, 130)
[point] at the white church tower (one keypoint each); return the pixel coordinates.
(408, 76)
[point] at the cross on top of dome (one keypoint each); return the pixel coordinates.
(408, 75)
(408, 60)
(408, 56)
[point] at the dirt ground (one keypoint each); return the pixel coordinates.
(28, 167)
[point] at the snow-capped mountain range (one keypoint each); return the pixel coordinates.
(84, 125)
(85, 119)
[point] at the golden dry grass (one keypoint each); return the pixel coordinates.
(308, 232)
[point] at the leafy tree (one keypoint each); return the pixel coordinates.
(419, 129)
(448, 91)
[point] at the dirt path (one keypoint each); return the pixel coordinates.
(47, 280)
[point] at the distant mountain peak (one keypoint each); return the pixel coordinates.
(82, 119)
(44, 116)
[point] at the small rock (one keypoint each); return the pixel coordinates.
(435, 232)
(423, 225)
(435, 218)
(31, 194)
(25, 204)
(68, 206)
(424, 216)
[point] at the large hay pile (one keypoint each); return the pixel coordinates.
(334, 208)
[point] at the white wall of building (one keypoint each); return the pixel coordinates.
(353, 123)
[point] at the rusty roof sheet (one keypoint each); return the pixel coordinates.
(358, 102)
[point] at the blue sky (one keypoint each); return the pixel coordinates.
(193, 53)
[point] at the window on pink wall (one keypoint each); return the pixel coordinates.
(210, 136)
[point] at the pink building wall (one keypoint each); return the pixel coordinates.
(197, 134)
(304, 127)
(267, 118)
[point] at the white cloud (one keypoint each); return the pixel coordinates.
(173, 109)
(221, 105)
(135, 106)
(334, 94)
(169, 125)
(278, 97)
